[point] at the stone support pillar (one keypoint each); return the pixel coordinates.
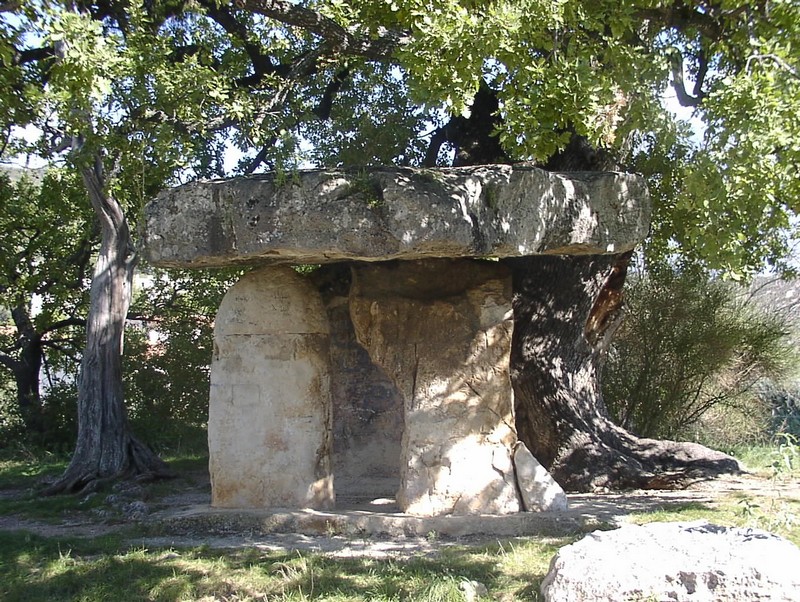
(269, 426)
(441, 329)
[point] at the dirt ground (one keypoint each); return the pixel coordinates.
(178, 515)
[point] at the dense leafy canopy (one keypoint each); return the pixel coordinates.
(168, 85)
(46, 247)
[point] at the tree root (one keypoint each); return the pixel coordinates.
(86, 475)
(623, 461)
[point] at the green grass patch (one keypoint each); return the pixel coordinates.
(758, 459)
(772, 513)
(25, 473)
(49, 509)
(187, 464)
(24, 478)
(779, 460)
(34, 569)
(20, 480)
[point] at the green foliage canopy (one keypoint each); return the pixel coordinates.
(46, 245)
(45, 252)
(169, 84)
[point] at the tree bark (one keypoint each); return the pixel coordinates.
(26, 369)
(106, 449)
(565, 311)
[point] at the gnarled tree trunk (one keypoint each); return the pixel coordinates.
(565, 311)
(106, 449)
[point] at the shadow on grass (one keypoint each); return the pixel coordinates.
(25, 474)
(34, 569)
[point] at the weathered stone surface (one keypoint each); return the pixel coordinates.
(442, 332)
(367, 408)
(684, 562)
(539, 491)
(395, 213)
(269, 427)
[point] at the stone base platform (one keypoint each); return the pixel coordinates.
(378, 519)
(360, 523)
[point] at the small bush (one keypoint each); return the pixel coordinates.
(690, 344)
(12, 427)
(729, 427)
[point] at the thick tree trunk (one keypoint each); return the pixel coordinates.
(565, 312)
(106, 449)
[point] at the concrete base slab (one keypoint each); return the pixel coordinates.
(375, 518)
(359, 523)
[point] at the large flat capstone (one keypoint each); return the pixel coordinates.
(322, 216)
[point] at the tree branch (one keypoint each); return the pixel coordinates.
(774, 58)
(438, 138)
(680, 16)
(298, 16)
(30, 55)
(261, 156)
(63, 324)
(338, 40)
(262, 63)
(8, 361)
(323, 109)
(69, 352)
(107, 209)
(10, 6)
(700, 78)
(684, 98)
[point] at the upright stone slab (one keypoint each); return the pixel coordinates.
(442, 332)
(269, 427)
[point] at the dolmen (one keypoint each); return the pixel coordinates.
(364, 353)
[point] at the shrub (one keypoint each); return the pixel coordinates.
(168, 355)
(783, 403)
(690, 343)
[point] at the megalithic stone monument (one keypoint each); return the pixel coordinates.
(389, 373)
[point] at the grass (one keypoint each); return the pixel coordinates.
(769, 510)
(770, 513)
(26, 475)
(780, 461)
(23, 473)
(34, 568)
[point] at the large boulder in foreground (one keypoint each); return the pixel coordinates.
(322, 216)
(685, 562)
